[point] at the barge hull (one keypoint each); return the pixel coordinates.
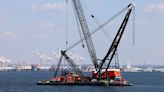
(81, 83)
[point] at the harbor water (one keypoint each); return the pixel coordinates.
(26, 82)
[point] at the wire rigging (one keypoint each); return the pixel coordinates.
(134, 25)
(103, 29)
(66, 24)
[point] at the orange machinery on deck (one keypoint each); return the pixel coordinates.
(69, 78)
(112, 73)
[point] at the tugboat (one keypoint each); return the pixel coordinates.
(101, 76)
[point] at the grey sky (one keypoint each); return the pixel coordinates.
(26, 25)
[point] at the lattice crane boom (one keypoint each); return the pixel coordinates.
(72, 64)
(116, 41)
(85, 31)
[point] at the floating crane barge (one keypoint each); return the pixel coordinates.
(101, 76)
(73, 79)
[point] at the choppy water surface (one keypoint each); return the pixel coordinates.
(26, 82)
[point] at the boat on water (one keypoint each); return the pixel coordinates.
(114, 79)
(103, 75)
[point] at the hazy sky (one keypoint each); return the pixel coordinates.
(26, 25)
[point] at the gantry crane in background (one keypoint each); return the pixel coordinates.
(42, 56)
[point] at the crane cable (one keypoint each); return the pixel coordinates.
(97, 22)
(110, 39)
(103, 29)
(66, 24)
(79, 28)
(133, 25)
